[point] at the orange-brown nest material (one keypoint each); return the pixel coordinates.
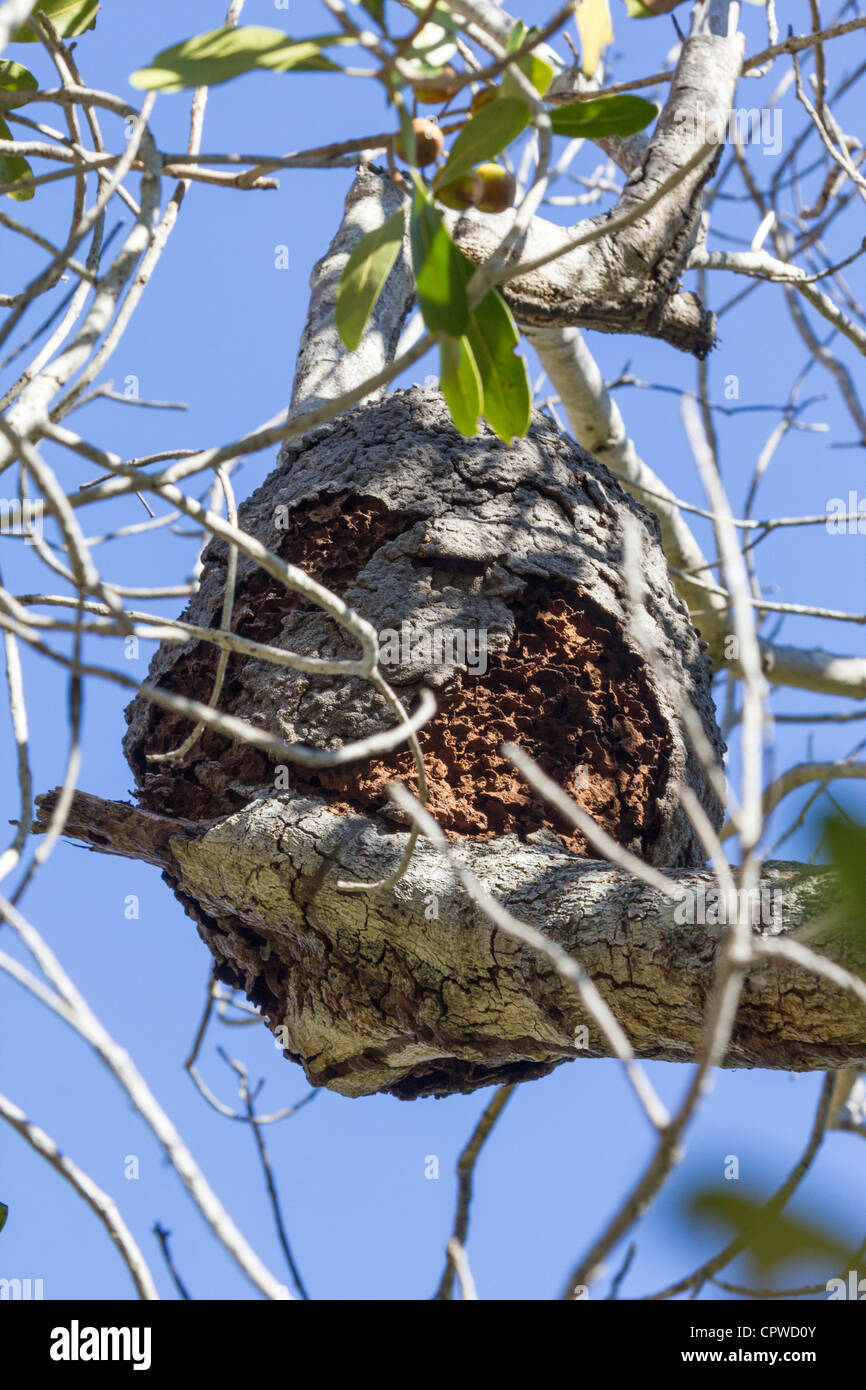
(515, 555)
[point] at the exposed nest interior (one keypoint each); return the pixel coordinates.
(567, 690)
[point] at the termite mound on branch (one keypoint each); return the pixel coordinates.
(495, 575)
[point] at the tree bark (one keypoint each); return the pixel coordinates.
(628, 282)
(415, 993)
(325, 370)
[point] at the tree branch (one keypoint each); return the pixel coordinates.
(628, 281)
(325, 368)
(597, 424)
(448, 1001)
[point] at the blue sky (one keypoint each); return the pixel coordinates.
(218, 329)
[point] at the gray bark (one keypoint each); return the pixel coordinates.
(629, 282)
(325, 370)
(415, 993)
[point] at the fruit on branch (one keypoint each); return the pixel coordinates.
(499, 188)
(429, 142)
(463, 193)
(438, 88)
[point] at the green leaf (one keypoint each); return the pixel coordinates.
(618, 115)
(4, 1212)
(482, 137)
(848, 848)
(434, 45)
(407, 133)
(488, 344)
(460, 383)
(376, 9)
(69, 17)
(636, 9)
(15, 78)
(493, 337)
(539, 72)
(518, 33)
(364, 275)
(440, 269)
(221, 54)
(771, 1237)
(13, 168)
